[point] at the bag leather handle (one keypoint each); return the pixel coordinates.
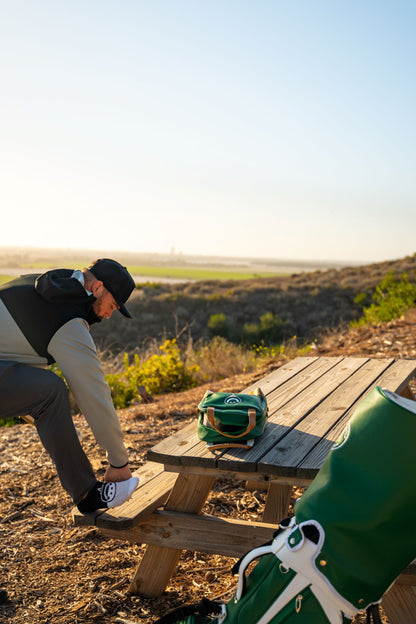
(251, 423)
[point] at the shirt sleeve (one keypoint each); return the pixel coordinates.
(73, 349)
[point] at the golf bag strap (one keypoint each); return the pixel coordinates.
(303, 562)
(282, 526)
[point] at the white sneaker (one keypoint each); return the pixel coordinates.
(114, 493)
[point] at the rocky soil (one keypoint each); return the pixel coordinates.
(55, 573)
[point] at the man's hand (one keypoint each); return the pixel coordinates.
(117, 474)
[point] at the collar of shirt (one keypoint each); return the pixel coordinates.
(80, 277)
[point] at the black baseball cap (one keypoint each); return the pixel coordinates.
(116, 279)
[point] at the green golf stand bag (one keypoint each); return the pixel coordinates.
(352, 534)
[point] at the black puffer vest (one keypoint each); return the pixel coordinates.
(41, 303)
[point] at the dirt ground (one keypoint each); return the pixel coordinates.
(55, 573)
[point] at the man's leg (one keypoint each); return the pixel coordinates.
(43, 395)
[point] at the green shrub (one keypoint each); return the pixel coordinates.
(123, 392)
(361, 299)
(285, 351)
(251, 333)
(391, 299)
(153, 285)
(163, 373)
(160, 373)
(269, 329)
(218, 325)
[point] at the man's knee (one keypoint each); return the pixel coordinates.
(53, 392)
(57, 386)
(29, 390)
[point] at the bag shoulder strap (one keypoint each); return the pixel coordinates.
(250, 426)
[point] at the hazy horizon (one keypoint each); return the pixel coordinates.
(172, 255)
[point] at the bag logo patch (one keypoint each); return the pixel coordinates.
(233, 399)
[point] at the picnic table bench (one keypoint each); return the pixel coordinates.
(310, 401)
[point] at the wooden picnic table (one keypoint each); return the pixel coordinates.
(310, 401)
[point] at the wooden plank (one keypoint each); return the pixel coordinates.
(397, 378)
(318, 371)
(190, 492)
(279, 376)
(146, 473)
(85, 519)
(143, 502)
(150, 577)
(290, 451)
(399, 603)
(199, 455)
(262, 479)
(188, 495)
(408, 576)
(171, 448)
(394, 378)
(292, 402)
(197, 532)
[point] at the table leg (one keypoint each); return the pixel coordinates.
(158, 563)
(407, 393)
(399, 603)
(277, 503)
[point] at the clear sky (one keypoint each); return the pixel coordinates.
(261, 128)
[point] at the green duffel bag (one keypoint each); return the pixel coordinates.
(231, 419)
(352, 534)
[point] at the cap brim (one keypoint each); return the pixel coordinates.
(124, 310)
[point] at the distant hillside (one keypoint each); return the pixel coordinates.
(303, 305)
(166, 268)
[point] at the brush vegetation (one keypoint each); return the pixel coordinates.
(264, 311)
(391, 298)
(189, 333)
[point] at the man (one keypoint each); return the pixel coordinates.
(45, 318)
